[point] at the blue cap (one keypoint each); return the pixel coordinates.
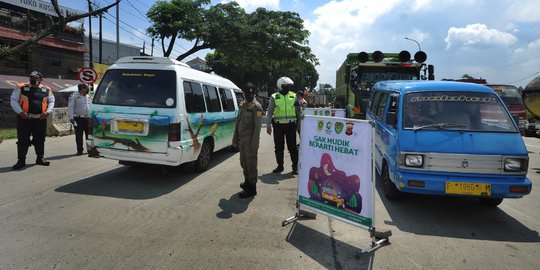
(82, 86)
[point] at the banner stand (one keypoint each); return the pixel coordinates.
(309, 206)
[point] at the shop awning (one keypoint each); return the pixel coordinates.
(10, 81)
(61, 44)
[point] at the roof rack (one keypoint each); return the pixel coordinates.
(149, 60)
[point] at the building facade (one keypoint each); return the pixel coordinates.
(57, 56)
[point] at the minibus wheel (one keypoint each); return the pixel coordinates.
(491, 202)
(201, 164)
(390, 190)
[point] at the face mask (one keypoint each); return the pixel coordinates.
(249, 95)
(33, 81)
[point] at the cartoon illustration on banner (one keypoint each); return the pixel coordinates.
(336, 169)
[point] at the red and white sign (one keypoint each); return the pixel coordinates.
(88, 75)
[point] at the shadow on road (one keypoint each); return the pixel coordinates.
(233, 205)
(327, 251)
(454, 217)
(275, 178)
(139, 181)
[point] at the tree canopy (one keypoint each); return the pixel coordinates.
(260, 46)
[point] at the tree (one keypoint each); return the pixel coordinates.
(178, 19)
(272, 44)
(56, 28)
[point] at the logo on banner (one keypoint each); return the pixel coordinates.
(349, 128)
(328, 127)
(320, 125)
(338, 127)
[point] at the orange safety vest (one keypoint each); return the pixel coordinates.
(23, 97)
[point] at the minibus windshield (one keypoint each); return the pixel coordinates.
(451, 110)
(137, 88)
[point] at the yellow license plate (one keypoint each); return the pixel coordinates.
(131, 126)
(464, 188)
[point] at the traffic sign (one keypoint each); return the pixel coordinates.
(87, 75)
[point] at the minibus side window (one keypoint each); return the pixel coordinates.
(227, 101)
(382, 105)
(212, 101)
(193, 95)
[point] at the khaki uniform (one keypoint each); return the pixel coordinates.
(246, 135)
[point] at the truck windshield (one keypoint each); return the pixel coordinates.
(137, 87)
(450, 110)
(509, 94)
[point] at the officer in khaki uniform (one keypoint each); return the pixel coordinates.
(246, 137)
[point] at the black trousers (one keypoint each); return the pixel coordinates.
(37, 129)
(284, 132)
(82, 125)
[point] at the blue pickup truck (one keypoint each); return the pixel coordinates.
(447, 138)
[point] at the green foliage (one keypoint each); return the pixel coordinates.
(259, 47)
(8, 133)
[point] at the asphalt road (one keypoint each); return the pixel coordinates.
(84, 213)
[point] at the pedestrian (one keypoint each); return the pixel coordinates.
(32, 102)
(246, 137)
(281, 116)
(78, 110)
(299, 105)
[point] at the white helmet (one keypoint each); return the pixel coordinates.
(284, 80)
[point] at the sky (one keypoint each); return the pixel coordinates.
(496, 40)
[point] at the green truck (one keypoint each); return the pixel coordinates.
(360, 71)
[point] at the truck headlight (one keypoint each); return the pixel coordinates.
(516, 164)
(414, 160)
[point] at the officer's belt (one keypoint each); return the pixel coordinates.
(81, 115)
(33, 115)
(284, 121)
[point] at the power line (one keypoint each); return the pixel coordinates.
(127, 1)
(523, 78)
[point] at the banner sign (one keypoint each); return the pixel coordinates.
(335, 176)
(325, 112)
(44, 7)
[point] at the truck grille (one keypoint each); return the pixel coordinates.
(477, 164)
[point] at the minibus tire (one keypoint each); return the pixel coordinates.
(491, 202)
(201, 164)
(390, 190)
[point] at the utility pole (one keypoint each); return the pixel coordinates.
(152, 50)
(101, 38)
(118, 31)
(90, 41)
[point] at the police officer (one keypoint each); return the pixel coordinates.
(78, 109)
(33, 102)
(246, 136)
(282, 118)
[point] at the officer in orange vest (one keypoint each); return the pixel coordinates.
(33, 102)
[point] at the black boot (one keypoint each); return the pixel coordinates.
(295, 169)
(243, 185)
(41, 161)
(20, 164)
(248, 192)
(278, 169)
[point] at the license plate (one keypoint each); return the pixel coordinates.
(130, 126)
(464, 188)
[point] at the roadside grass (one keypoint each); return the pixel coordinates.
(8, 133)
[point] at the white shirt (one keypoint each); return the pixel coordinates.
(78, 105)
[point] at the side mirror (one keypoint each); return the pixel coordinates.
(391, 119)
